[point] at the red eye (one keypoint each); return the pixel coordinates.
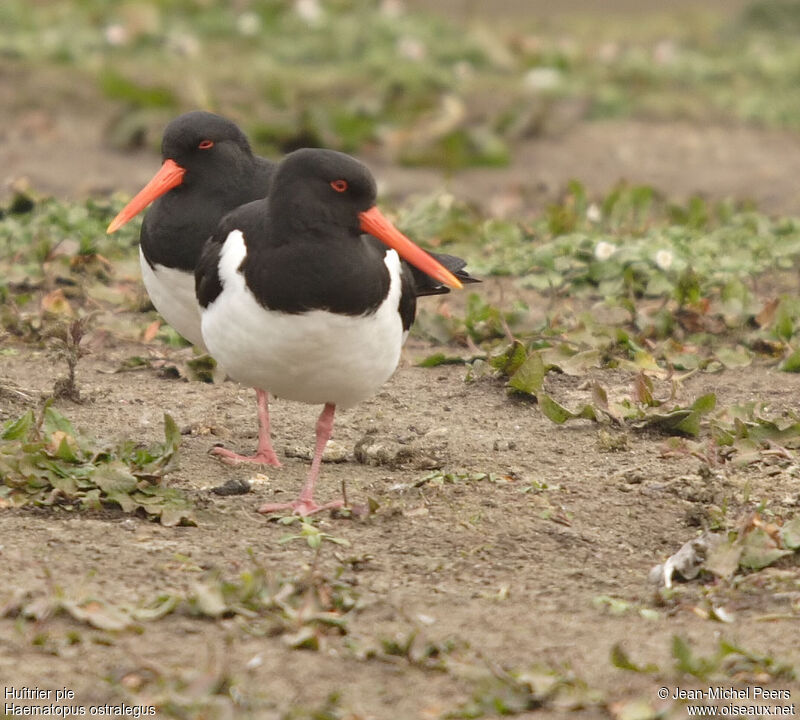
(339, 185)
(205, 144)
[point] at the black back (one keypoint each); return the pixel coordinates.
(217, 180)
(305, 249)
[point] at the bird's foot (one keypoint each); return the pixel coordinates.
(262, 457)
(301, 507)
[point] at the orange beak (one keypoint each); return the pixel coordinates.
(170, 175)
(375, 223)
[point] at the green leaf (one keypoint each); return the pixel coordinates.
(125, 501)
(688, 425)
(204, 368)
(66, 485)
(510, 360)
(440, 358)
(737, 357)
(553, 410)
(74, 467)
(529, 377)
(790, 533)
(559, 414)
(784, 320)
(54, 420)
(687, 662)
(621, 659)
(792, 363)
(19, 428)
(115, 477)
(172, 434)
(162, 606)
(65, 450)
(705, 403)
(682, 421)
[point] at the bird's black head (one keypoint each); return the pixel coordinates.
(321, 188)
(322, 195)
(205, 144)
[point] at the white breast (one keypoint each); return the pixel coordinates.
(172, 293)
(314, 357)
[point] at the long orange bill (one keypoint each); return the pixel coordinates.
(170, 175)
(375, 223)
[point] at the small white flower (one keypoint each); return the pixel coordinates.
(664, 259)
(604, 250)
(542, 78)
(116, 35)
(411, 48)
(309, 10)
(593, 214)
(248, 24)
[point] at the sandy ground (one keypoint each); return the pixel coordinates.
(489, 574)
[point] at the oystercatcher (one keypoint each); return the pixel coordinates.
(208, 169)
(297, 301)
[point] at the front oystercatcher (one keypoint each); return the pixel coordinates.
(296, 301)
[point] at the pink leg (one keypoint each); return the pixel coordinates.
(305, 505)
(264, 453)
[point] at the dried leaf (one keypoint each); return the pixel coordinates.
(97, 614)
(55, 302)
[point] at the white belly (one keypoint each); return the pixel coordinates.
(314, 357)
(172, 293)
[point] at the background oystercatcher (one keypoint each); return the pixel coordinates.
(297, 301)
(208, 169)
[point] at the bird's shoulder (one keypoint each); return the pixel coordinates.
(249, 219)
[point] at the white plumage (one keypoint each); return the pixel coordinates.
(172, 293)
(313, 357)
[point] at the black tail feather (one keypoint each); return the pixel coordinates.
(426, 285)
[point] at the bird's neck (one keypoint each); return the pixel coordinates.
(290, 217)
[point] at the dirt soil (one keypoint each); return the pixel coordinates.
(506, 571)
(501, 574)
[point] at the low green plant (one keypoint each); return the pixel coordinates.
(46, 462)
